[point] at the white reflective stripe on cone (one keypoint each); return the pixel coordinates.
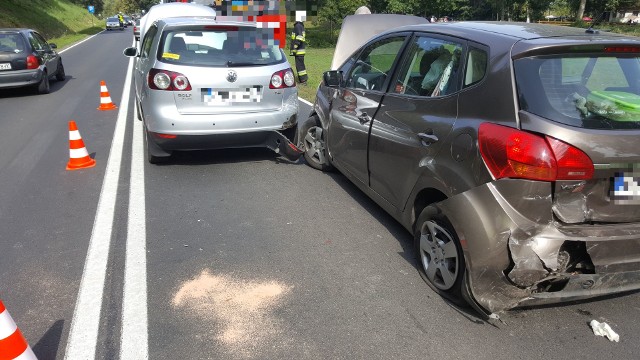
(7, 325)
(27, 355)
(105, 100)
(78, 153)
(74, 135)
(103, 88)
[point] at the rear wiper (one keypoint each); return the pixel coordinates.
(231, 63)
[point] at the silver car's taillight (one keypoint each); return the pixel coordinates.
(168, 80)
(276, 81)
(162, 81)
(282, 79)
(289, 80)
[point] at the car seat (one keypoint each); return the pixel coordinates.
(177, 45)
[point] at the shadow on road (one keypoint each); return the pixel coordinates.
(47, 347)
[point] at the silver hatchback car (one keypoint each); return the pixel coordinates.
(207, 84)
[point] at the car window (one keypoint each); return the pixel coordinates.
(218, 46)
(42, 41)
(374, 63)
(35, 44)
(589, 91)
(148, 40)
(429, 68)
(11, 43)
(476, 66)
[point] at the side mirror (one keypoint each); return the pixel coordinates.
(131, 52)
(53, 46)
(332, 78)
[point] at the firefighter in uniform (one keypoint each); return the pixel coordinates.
(298, 46)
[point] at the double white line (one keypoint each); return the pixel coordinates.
(83, 336)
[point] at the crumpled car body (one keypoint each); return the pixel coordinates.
(518, 173)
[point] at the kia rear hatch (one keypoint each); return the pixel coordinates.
(588, 97)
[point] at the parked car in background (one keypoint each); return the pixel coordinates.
(136, 30)
(27, 60)
(509, 150)
(206, 84)
(113, 23)
(127, 20)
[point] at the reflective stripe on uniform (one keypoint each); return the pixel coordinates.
(303, 72)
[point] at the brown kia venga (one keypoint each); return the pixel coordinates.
(511, 151)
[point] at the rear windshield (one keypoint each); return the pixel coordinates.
(588, 91)
(11, 43)
(219, 46)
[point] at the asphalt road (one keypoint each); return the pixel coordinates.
(232, 254)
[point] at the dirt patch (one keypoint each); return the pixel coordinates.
(244, 308)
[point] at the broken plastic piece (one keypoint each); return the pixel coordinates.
(603, 329)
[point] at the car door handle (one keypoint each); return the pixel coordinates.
(427, 139)
(364, 118)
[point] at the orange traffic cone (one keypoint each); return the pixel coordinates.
(78, 156)
(105, 98)
(12, 344)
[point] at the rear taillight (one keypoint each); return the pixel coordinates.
(32, 62)
(512, 153)
(167, 80)
(282, 79)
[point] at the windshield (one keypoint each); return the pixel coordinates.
(219, 46)
(112, 19)
(588, 91)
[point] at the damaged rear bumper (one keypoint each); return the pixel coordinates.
(517, 254)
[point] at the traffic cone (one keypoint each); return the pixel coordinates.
(12, 344)
(78, 156)
(105, 98)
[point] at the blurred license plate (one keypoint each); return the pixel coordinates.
(5, 66)
(249, 94)
(625, 188)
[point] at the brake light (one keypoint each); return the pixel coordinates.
(282, 79)
(512, 153)
(167, 80)
(32, 62)
(622, 49)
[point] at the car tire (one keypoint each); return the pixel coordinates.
(441, 261)
(43, 85)
(311, 137)
(60, 75)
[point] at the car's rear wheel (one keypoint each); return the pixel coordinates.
(442, 264)
(60, 75)
(43, 85)
(312, 141)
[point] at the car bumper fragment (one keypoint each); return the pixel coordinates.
(20, 78)
(518, 254)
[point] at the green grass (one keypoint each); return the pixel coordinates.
(60, 21)
(317, 61)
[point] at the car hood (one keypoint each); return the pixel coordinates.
(357, 29)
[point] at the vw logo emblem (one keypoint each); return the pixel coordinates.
(232, 76)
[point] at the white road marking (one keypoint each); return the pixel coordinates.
(134, 336)
(83, 335)
(305, 101)
(78, 43)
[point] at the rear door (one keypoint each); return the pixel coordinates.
(590, 100)
(357, 103)
(416, 117)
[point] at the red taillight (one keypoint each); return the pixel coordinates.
(622, 49)
(282, 79)
(512, 153)
(32, 62)
(167, 80)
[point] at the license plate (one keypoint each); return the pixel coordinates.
(625, 188)
(249, 94)
(5, 66)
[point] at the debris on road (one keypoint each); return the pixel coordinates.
(603, 329)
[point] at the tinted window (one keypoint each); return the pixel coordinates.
(429, 68)
(594, 92)
(476, 67)
(42, 41)
(374, 63)
(35, 44)
(218, 46)
(11, 43)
